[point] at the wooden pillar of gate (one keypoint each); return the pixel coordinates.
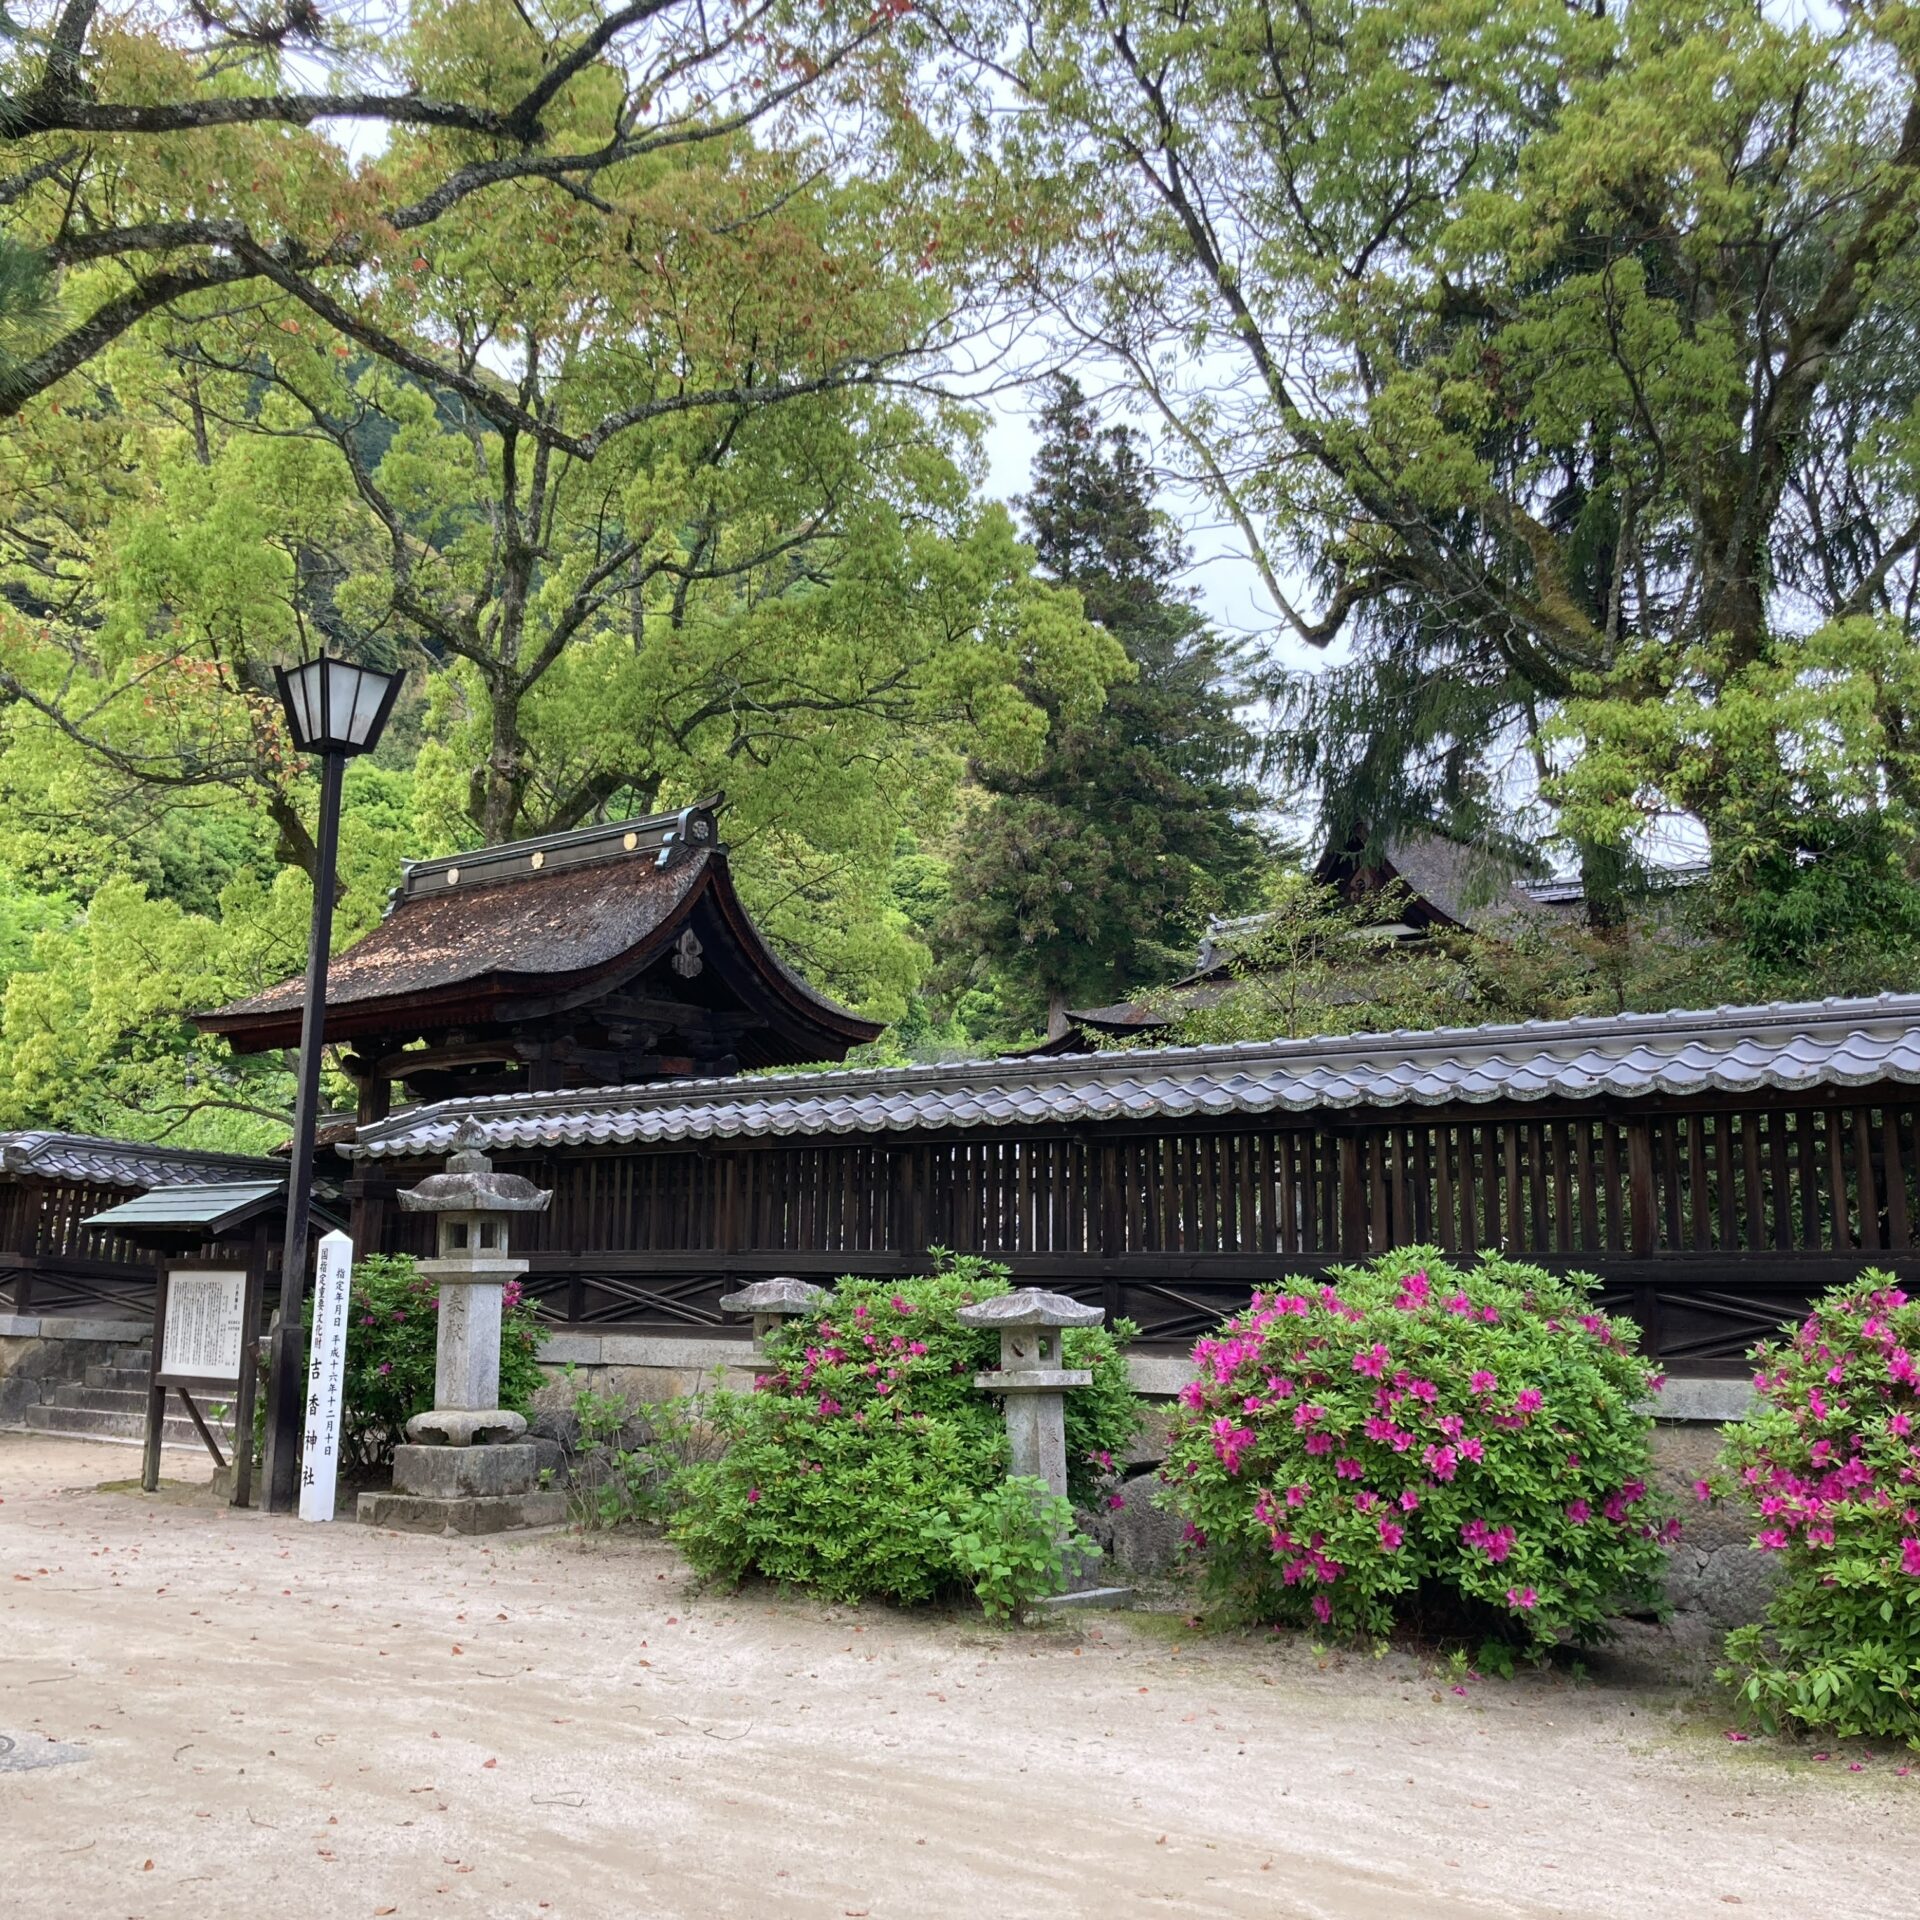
(1112, 1227)
(24, 1223)
(1353, 1199)
(1643, 1224)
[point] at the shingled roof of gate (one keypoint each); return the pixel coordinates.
(529, 927)
(1626, 1056)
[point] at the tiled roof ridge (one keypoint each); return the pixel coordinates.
(47, 1149)
(543, 856)
(1234, 1065)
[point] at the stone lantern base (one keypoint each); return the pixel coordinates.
(456, 1489)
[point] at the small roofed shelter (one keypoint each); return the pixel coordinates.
(179, 1219)
(610, 956)
(54, 1256)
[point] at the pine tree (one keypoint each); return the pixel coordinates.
(1086, 878)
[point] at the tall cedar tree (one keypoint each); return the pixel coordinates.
(1083, 879)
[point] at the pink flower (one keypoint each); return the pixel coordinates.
(1322, 1608)
(1529, 1400)
(1482, 1381)
(1409, 1500)
(1495, 1542)
(829, 1406)
(1319, 1443)
(1230, 1443)
(1910, 1556)
(901, 1305)
(1522, 1597)
(753, 1496)
(1298, 1496)
(1391, 1534)
(1579, 1512)
(1702, 1490)
(1116, 1501)
(1347, 1468)
(1372, 1361)
(1442, 1462)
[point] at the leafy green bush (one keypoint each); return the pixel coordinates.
(1830, 1462)
(392, 1323)
(1010, 1543)
(869, 1431)
(629, 1459)
(1412, 1434)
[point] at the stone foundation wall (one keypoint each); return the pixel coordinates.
(38, 1355)
(1716, 1572)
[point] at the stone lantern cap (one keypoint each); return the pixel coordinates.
(1029, 1322)
(470, 1184)
(781, 1295)
(1029, 1307)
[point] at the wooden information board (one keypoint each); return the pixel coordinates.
(206, 1324)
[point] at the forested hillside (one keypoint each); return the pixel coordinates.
(621, 372)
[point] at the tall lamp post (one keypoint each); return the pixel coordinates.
(335, 709)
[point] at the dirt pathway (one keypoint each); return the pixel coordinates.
(332, 1721)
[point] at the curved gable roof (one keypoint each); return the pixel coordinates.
(473, 937)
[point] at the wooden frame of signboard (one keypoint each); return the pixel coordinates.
(211, 1322)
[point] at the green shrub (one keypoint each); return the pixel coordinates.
(392, 1323)
(1829, 1461)
(1410, 1435)
(1010, 1543)
(629, 1459)
(870, 1430)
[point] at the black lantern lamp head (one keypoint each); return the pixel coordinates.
(336, 706)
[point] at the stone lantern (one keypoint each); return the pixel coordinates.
(467, 1469)
(1031, 1380)
(772, 1303)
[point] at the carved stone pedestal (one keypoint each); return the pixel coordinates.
(465, 1489)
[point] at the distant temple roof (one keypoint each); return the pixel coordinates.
(1837, 1043)
(542, 944)
(1448, 884)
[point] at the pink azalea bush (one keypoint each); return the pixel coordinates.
(1410, 1431)
(1830, 1464)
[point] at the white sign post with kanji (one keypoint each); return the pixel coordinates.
(326, 1378)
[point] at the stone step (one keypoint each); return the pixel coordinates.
(124, 1400)
(139, 1359)
(127, 1379)
(88, 1423)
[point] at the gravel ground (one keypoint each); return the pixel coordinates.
(333, 1721)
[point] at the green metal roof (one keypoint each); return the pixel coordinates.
(213, 1207)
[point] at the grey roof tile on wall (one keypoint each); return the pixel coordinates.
(124, 1163)
(1730, 1049)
